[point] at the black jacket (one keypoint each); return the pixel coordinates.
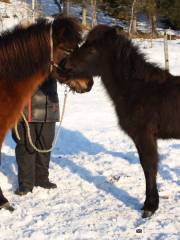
(44, 104)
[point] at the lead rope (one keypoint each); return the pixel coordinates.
(16, 131)
(51, 47)
(61, 116)
(57, 134)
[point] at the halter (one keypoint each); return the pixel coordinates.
(51, 47)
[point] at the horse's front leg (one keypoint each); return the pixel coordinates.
(4, 203)
(147, 148)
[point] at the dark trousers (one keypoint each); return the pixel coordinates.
(33, 167)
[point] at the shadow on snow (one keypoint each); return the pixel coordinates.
(74, 143)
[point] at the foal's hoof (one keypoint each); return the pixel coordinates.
(147, 214)
(7, 206)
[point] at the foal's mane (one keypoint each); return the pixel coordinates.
(131, 61)
(136, 64)
(23, 50)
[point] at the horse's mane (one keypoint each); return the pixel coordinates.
(25, 50)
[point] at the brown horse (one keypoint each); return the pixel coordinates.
(146, 98)
(25, 62)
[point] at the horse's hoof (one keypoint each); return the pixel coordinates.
(147, 214)
(7, 206)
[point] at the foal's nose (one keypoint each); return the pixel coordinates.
(90, 85)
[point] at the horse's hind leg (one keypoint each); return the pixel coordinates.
(147, 148)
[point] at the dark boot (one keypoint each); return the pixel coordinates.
(21, 191)
(47, 185)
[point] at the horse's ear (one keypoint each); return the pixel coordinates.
(119, 29)
(67, 29)
(112, 33)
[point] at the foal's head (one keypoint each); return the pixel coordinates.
(89, 59)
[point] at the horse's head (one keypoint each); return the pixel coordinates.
(66, 35)
(89, 59)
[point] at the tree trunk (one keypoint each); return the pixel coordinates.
(153, 25)
(36, 9)
(132, 26)
(84, 12)
(94, 8)
(66, 7)
(33, 10)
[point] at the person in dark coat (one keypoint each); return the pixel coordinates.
(42, 113)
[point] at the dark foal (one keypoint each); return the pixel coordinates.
(146, 98)
(25, 62)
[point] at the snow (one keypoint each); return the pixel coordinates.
(100, 181)
(12, 13)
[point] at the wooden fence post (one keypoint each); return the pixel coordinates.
(166, 54)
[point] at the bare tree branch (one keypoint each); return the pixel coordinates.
(58, 3)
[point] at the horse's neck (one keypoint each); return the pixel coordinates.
(29, 85)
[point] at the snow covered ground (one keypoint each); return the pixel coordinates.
(100, 181)
(95, 165)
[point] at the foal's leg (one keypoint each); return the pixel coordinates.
(147, 148)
